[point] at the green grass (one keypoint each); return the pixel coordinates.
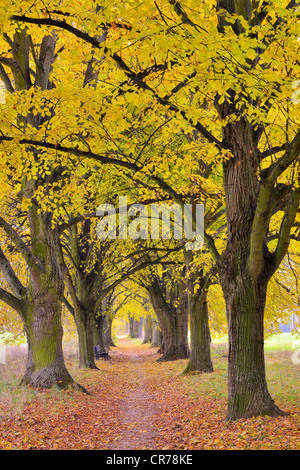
(283, 341)
(283, 376)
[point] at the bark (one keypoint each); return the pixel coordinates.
(141, 322)
(147, 329)
(157, 337)
(42, 315)
(248, 393)
(99, 332)
(133, 327)
(83, 291)
(84, 319)
(200, 351)
(45, 362)
(107, 332)
(244, 284)
(200, 340)
(173, 321)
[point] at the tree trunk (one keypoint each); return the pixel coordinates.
(200, 355)
(141, 322)
(85, 329)
(45, 362)
(147, 329)
(133, 327)
(244, 291)
(248, 393)
(99, 332)
(107, 332)
(174, 325)
(157, 336)
(42, 316)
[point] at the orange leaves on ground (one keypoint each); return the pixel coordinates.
(138, 403)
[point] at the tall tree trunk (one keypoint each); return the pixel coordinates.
(248, 393)
(147, 329)
(247, 263)
(85, 330)
(107, 332)
(200, 340)
(174, 325)
(157, 336)
(200, 351)
(42, 316)
(45, 362)
(99, 332)
(133, 327)
(141, 322)
(244, 289)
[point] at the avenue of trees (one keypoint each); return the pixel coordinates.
(162, 102)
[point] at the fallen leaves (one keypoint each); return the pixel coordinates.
(138, 403)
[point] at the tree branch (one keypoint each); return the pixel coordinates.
(19, 244)
(11, 278)
(69, 306)
(292, 152)
(286, 226)
(6, 79)
(12, 301)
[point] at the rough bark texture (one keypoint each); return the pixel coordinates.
(248, 393)
(147, 329)
(84, 287)
(85, 329)
(157, 336)
(244, 292)
(200, 351)
(173, 321)
(45, 363)
(107, 332)
(134, 327)
(42, 316)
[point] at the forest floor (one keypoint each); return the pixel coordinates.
(135, 402)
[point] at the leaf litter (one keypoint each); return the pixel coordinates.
(138, 403)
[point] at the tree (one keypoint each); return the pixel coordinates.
(84, 274)
(38, 303)
(243, 62)
(169, 300)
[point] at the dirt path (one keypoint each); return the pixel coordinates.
(138, 412)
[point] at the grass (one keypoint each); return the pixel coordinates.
(283, 375)
(12, 397)
(283, 341)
